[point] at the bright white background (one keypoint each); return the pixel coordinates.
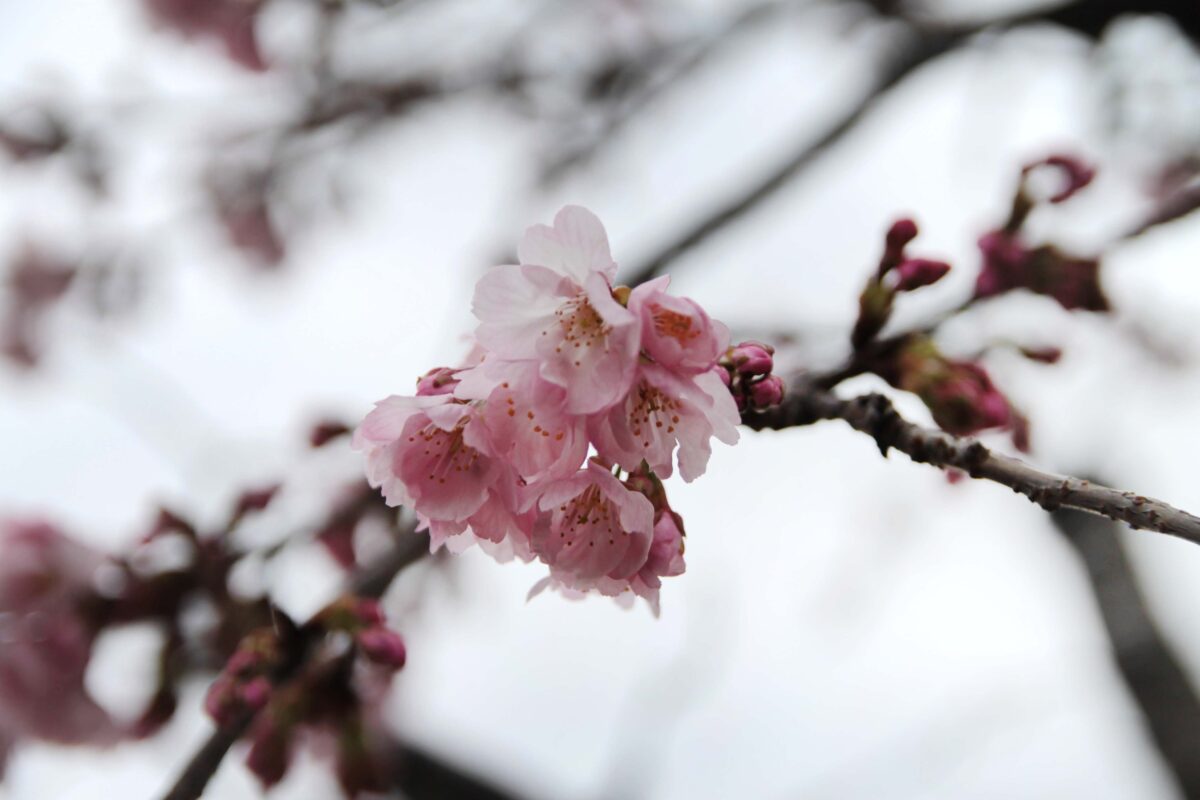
(848, 627)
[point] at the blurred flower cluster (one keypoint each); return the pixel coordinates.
(316, 684)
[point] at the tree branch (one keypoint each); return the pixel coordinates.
(372, 581)
(874, 415)
(1085, 17)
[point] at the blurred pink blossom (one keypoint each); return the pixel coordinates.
(47, 642)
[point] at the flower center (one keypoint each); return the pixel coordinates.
(673, 324)
(650, 410)
(589, 517)
(445, 452)
(580, 325)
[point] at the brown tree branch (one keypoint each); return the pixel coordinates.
(372, 581)
(874, 415)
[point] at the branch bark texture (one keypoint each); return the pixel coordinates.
(874, 415)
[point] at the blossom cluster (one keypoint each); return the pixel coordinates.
(578, 399)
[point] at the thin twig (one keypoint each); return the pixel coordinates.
(1088, 18)
(908, 60)
(874, 415)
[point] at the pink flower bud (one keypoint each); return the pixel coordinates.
(964, 400)
(243, 662)
(918, 272)
(270, 751)
(255, 693)
(383, 647)
(901, 233)
(767, 392)
(220, 701)
(752, 358)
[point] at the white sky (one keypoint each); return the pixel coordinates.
(847, 628)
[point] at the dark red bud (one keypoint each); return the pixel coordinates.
(901, 233)
(918, 272)
(383, 646)
(255, 693)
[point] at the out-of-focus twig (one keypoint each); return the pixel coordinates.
(422, 776)
(1157, 681)
(906, 61)
(372, 581)
(927, 43)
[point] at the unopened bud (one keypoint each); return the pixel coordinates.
(767, 392)
(255, 693)
(752, 358)
(220, 701)
(918, 272)
(901, 233)
(270, 752)
(383, 646)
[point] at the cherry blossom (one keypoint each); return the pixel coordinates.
(424, 452)
(596, 533)
(676, 331)
(662, 412)
(557, 308)
(47, 641)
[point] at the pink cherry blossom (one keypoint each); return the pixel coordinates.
(556, 308)
(662, 412)
(491, 453)
(665, 559)
(44, 576)
(596, 533)
(676, 331)
(526, 419)
(501, 527)
(427, 453)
